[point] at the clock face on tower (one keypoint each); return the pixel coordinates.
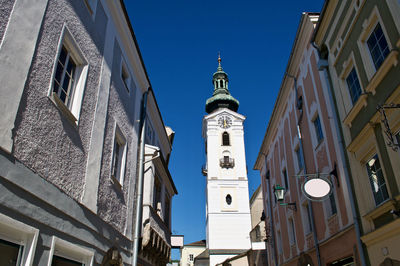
(224, 121)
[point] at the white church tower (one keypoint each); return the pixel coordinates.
(228, 211)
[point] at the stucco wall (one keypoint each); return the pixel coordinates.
(45, 141)
(112, 201)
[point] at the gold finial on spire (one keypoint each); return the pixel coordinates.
(219, 58)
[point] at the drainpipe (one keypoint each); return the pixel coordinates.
(275, 253)
(139, 201)
(313, 228)
(343, 155)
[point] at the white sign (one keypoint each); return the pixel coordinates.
(317, 188)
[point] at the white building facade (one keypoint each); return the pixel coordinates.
(227, 211)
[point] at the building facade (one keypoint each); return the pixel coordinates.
(72, 83)
(359, 45)
(301, 140)
(190, 251)
(228, 218)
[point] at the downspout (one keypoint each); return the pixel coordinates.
(139, 200)
(275, 253)
(313, 228)
(342, 145)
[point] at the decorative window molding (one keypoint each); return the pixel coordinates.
(318, 129)
(369, 25)
(119, 157)
(23, 235)
(63, 249)
(69, 77)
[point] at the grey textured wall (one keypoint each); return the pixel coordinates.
(112, 202)
(5, 11)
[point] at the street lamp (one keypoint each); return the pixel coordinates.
(280, 194)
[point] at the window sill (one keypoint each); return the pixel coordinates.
(391, 60)
(361, 102)
(63, 108)
(383, 208)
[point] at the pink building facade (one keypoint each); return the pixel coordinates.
(302, 138)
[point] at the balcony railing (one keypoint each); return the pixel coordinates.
(226, 162)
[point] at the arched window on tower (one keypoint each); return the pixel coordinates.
(220, 83)
(225, 139)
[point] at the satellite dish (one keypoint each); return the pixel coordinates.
(317, 188)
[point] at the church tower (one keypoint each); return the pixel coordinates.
(227, 207)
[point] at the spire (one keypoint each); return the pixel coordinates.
(221, 97)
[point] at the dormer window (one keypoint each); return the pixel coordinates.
(225, 139)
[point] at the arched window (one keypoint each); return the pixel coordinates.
(225, 139)
(220, 84)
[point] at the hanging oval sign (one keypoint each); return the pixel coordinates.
(317, 189)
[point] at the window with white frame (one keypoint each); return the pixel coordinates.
(119, 156)
(378, 46)
(126, 79)
(70, 72)
(318, 129)
(292, 232)
(353, 85)
(63, 253)
(377, 180)
(300, 158)
(17, 242)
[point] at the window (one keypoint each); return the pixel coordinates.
(119, 157)
(191, 257)
(332, 204)
(307, 218)
(167, 210)
(377, 180)
(225, 139)
(157, 192)
(125, 75)
(300, 159)
(292, 232)
(63, 253)
(17, 242)
(69, 80)
(285, 179)
(11, 253)
(378, 46)
(280, 250)
(228, 199)
(318, 129)
(64, 80)
(354, 85)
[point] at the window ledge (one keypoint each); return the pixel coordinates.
(361, 102)
(385, 207)
(63, 108)
(391, 60)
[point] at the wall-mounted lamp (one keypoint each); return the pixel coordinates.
(280, 194)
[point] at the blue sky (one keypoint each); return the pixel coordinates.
(180, 41)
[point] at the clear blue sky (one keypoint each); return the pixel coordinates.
(180, 41)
